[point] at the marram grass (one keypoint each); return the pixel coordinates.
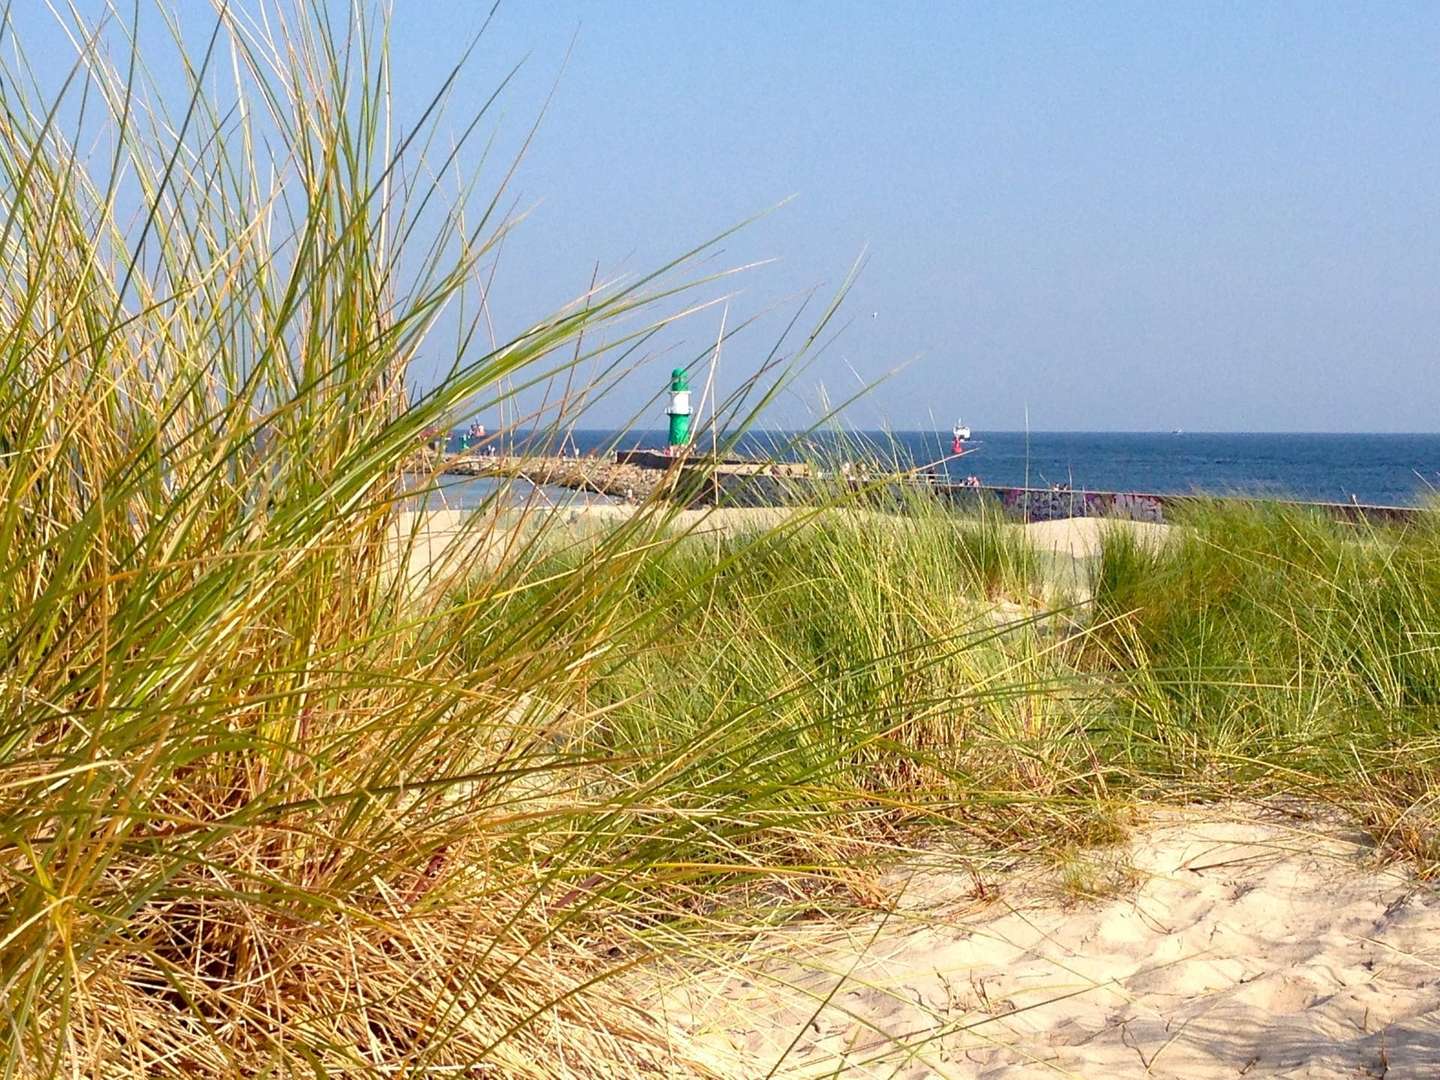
(261, 811)
(1277, 647)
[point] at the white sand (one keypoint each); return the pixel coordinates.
(1254, 945)
(1069, 548)
(440, 545)
(1080, 537)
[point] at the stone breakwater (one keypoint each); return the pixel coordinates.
(602, 476)
(694, 481)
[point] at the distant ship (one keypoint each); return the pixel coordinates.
(959, 434)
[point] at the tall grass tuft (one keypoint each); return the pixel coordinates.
(260, 812)
(1279, 645)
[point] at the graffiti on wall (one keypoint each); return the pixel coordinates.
(1038, 504)
(1136, 507)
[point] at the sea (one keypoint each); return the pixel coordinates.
(1381, 469)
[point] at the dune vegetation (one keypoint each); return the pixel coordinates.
(1279, 647)
(267, 809)
(259, 811)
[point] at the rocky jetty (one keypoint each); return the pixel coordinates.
(602, 476)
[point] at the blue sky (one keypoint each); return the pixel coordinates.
(1118, 216)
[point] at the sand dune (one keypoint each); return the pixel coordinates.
(1232, 942)
(1245, 944)
(435, 546)
(1080, 538)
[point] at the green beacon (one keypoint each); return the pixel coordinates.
(679, 410)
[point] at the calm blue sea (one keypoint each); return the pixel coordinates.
(1385, 469)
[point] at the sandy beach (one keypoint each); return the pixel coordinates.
(1238, 941)
(439, 544)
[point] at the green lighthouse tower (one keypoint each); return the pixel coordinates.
(679, 410)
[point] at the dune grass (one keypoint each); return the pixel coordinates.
(265, 808)
(805, 700)
(1278, 646)
(262, 811)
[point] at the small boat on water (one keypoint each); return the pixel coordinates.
(958, 436)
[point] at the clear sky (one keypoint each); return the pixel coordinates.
(1147, 216)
